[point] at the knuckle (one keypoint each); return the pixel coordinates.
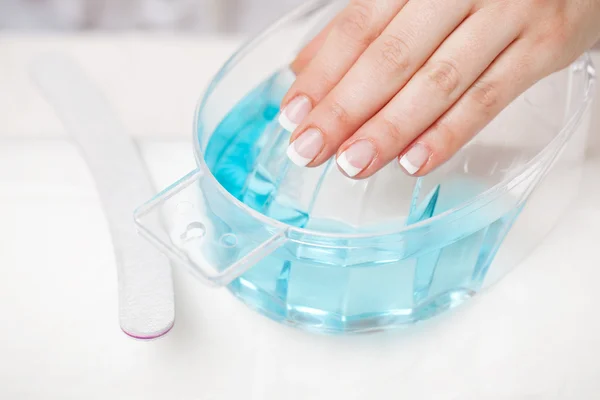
(392, 129)
(486, 95)
(394, 56)
(356, 23)
(448, 138)
(339, 112)
(526, 66)
(444, 77)
(315, 84)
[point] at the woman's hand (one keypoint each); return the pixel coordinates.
(417, 79)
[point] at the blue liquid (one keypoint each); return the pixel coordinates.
(347, 289)
(233, 152)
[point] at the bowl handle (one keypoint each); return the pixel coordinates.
(204, 231)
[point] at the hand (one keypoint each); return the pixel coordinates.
(416, 80)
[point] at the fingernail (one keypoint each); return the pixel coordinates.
(356, 157)
(415, 158)
(293, 114)
(304, 149)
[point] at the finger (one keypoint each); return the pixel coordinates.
(354, 29)
(309, 51)
(450, 71)
(509, 76)
(382, 70)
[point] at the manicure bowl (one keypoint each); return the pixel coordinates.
(312, 248)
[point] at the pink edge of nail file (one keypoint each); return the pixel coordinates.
(146, 300)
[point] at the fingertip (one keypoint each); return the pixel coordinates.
(286, 123)
(348, 169)
(408, 166)
(292, 115)
(414, 160)
(305, 148)
(357, 158)
(295, 157)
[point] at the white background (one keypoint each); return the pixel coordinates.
(536, 335)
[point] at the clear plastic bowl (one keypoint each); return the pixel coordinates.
(407, 248)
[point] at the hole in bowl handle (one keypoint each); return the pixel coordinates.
(205, 231)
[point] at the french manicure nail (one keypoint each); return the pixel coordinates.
(293, 114)
(356, 157)
(306, 147)
(414, 159)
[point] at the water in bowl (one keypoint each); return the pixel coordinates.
(344, 289)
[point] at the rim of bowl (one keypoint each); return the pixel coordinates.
(483, 198)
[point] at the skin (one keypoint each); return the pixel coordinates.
(433, 72)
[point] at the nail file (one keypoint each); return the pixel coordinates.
(146, 300)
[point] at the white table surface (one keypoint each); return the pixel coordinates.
(536, 335)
